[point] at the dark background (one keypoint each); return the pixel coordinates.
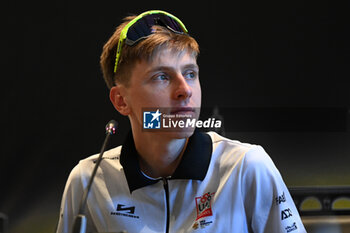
(277, 71)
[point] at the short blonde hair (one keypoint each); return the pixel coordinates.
(162, 38)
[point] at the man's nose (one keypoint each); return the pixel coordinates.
(182, 88)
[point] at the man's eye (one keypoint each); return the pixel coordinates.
(160, 77)
(190, 75)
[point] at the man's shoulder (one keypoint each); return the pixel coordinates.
(83, 170)
(222, 141)
(250, 159)
(110, 157)
(111, 154)
(249, 154)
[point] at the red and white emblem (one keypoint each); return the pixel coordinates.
(203, 205)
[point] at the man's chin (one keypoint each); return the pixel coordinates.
(178, 133)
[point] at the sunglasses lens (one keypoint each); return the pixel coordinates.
(143, 27)
(171, 23)
(140, 29)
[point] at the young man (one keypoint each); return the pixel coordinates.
(172, 181)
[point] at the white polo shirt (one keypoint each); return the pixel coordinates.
(220, 186)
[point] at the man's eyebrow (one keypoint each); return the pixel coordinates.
(159, 68)
(192, 66)
(170, 68)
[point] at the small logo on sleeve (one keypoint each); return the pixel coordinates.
(286, 214)
(291, 228)
(280, 198)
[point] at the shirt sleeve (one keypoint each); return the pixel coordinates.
(70, 203)
(268, 204)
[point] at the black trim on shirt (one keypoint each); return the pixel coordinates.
(193, 165)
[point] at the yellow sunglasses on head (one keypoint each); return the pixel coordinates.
(141, 27)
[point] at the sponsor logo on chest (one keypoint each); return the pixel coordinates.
(204, 209)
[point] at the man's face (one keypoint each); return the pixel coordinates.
(169, 80)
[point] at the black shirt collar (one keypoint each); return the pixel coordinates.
(194, 163)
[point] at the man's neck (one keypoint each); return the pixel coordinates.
(159, 155)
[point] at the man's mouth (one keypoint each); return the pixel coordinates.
(183, 110)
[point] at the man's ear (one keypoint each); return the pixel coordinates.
(116, 95)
